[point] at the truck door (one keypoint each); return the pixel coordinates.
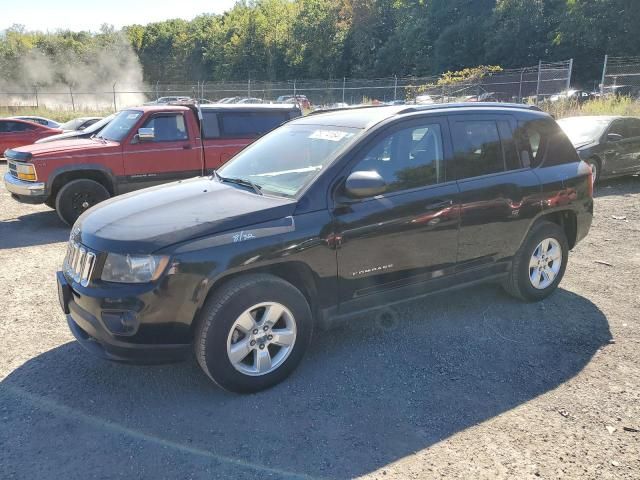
(171, 153)
(407, 236)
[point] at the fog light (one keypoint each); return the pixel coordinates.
(120, 323)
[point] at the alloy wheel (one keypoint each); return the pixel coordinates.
(261, 338)
(545, 263)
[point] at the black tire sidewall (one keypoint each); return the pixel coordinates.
(216, 359)
(537, 235)
(64, 198)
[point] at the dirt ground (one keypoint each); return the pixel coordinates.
(465, 385)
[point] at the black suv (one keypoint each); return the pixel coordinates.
(329, 215)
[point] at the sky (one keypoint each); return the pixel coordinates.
(90, 14)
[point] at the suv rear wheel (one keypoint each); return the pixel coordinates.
(77, 196)
(253, 333)
(539, 265)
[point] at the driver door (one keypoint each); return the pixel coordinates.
(395, 243)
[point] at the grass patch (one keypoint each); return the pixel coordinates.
(601, 106)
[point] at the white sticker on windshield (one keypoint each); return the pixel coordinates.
(133, 116)
(331, 135)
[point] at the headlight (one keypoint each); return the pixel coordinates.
(133, 268)
(25, 171)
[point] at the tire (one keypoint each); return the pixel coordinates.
(596, 166)
(75, 197)
(520, 282)
(218, 331)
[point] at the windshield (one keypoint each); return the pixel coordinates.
(581, 130)
(72, 124)
(120, 126)
(99, 124)
(287, 159)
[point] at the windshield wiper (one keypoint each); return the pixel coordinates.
(239, 181)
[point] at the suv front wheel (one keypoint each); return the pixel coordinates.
(253, 332)
(539, 265)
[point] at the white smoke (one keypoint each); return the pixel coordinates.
(51, 79)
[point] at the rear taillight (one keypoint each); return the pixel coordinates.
(585, 169)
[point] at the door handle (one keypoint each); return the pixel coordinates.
(439, 205)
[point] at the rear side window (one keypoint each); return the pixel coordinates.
(210, 127)
(634, 127)
(477, 148)
(250, 124)
(542, 141)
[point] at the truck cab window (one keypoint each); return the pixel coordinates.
(167, 128)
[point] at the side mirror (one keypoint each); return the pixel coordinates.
(614, 137)
(146, 134)
(365, 184)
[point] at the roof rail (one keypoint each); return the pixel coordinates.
(341, 109)
(436, 106)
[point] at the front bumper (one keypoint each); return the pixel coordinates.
(94, 336)
(32, 192)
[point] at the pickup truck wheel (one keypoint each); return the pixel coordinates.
(253, 333)
(77, 196)
(539, 265)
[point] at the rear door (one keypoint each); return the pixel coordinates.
(226, 132)
(173, 154)
(499, 195)
(626, 158)
(397, 241)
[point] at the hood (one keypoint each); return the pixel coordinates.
(66, 147)
(145, 221)
(64, 136)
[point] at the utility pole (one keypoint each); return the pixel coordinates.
(604, 74)
(344, 82)
(520, 91)
(395, 87)
(115, 106)
(570, 73)
(538, 85)
(73, 105)
(35, 90)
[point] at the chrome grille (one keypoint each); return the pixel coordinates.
(79, 263)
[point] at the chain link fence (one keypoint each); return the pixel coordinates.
(530, 83)
(621, 76)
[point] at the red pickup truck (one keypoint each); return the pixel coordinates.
(141, 147)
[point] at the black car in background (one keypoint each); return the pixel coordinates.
(327, 216)
(609, 144)
(91, 130)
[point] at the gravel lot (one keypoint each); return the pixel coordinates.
(465, 385)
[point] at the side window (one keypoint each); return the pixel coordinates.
(19, 127)
(409, 158)
(4, 127)
(167, 128)
(477, 147)
(250, 124)
(210, 127)
(619, 127)
(633, 127)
